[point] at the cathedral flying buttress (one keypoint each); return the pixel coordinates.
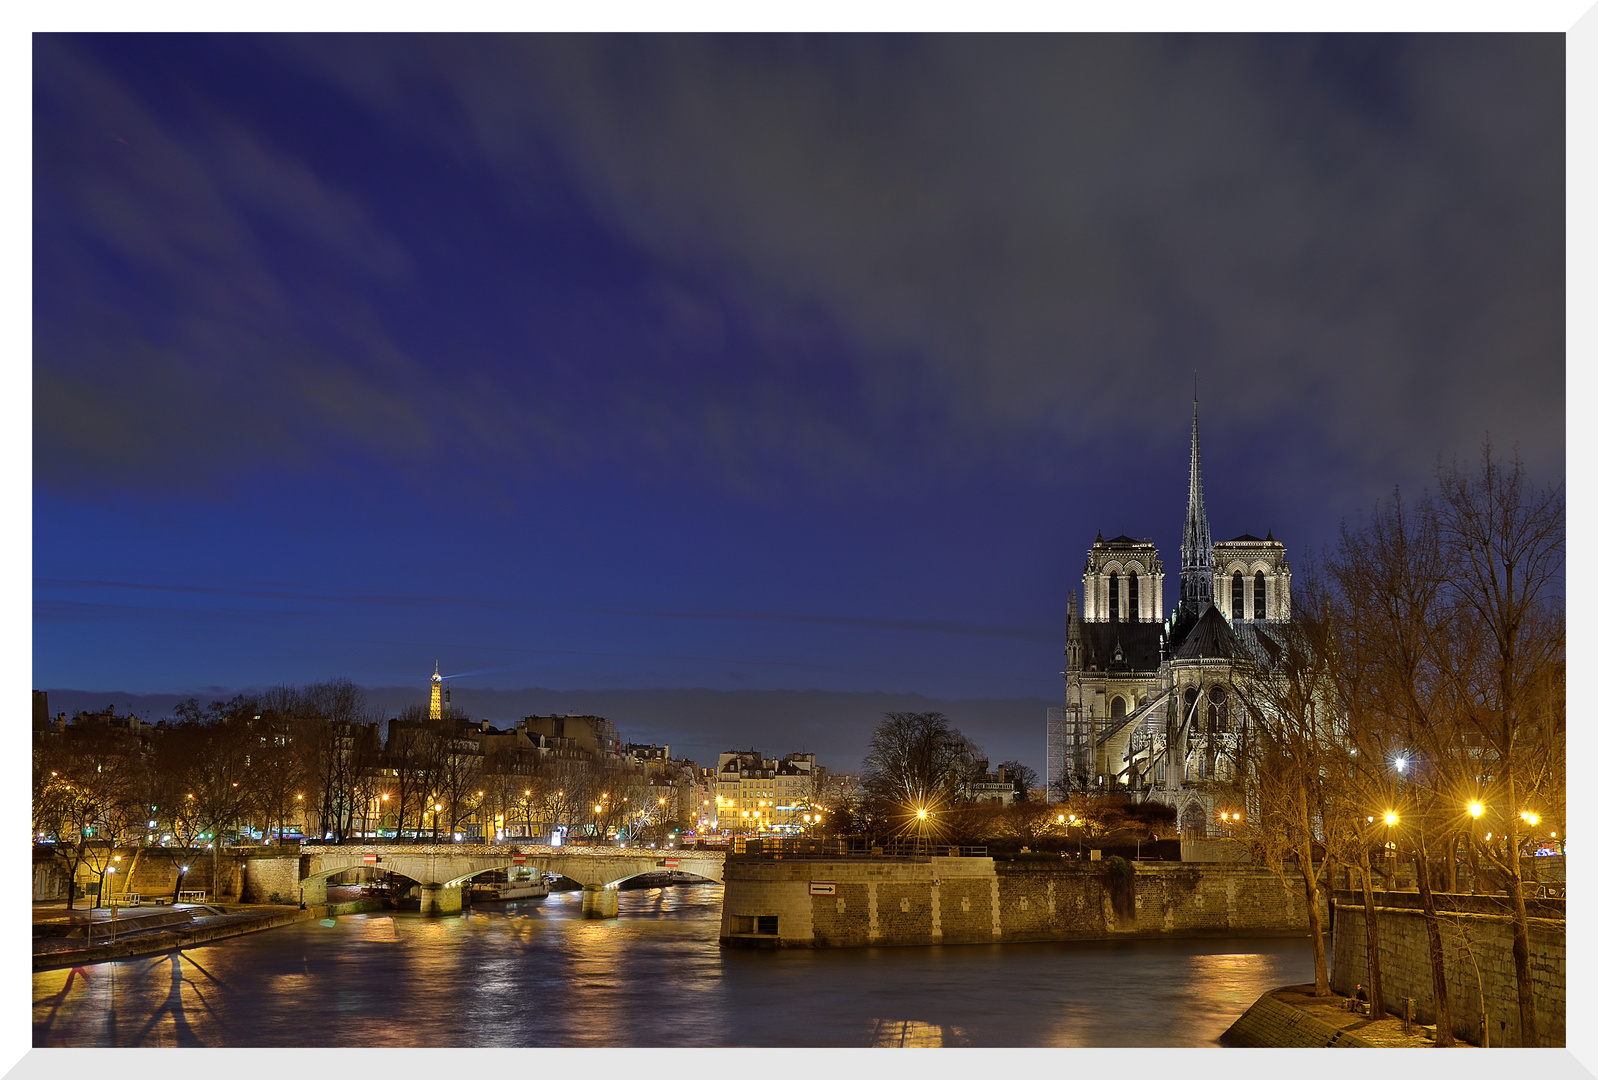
(1150, 708)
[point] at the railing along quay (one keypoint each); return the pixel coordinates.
(789, 848)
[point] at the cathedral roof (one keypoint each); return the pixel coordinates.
(1260, 641)
(1246, 538)
(1122, 541)
(1139, 644)
(1211, 638)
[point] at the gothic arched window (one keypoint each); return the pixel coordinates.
(1117, 708)
(1115, 596)
(1131, 596)
(1217, 714)
(1237, 594)
(1259, 594)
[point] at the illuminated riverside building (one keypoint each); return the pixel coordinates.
(1150, 705)
(755, 794)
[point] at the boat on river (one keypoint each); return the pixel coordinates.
(527, 887)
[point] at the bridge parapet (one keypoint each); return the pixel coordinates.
(618, 850)
(447, 866)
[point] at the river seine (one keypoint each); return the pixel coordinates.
(538, 974)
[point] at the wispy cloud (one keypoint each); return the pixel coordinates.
(848, 258)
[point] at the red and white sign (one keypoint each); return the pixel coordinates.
(368, 858)
(668, 862)
(823, 888)
(518, 860)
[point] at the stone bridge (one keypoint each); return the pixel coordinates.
(441, 869)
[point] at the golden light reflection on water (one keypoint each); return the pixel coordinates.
(1229, 979)
(914, 1033)
(654, 977)
(1186, 999)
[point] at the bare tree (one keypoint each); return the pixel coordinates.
(1503, 539)
(459, 780)
(916, 763)
(205, 760)
(96, 791)
(409, 756)
(1293, 730)
(275, 768)
(1024, 777)
(1390, 576)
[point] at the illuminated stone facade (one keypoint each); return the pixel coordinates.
(1149, 703)
(755, 794)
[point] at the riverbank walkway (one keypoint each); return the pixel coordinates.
(63, 938)
(1293, 1016)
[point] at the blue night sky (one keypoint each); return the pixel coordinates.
(642, 365)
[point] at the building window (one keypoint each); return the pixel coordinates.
(1217, 715)
(1131, 596)
(1115, 596)
(1117, 708)
(1259, 594)
(1237, 594)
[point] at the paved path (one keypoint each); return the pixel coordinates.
(210, 922)
(1333, 1011)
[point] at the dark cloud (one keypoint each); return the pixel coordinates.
(1041, 230)
(847, 257)
(746, 362)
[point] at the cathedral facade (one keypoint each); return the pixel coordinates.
(1150, 704)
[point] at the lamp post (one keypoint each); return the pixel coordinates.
(1390, 852)
(110, 870)
(1476, 810)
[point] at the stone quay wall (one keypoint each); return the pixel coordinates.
(279, 875)
(154, 871)
(1478, 960)
(820, 903)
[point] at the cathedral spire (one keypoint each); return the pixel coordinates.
(1198, 554)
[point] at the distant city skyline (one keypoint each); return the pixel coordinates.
(696, 724)
(763, 364)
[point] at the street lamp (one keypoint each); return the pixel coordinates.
(1390, 818)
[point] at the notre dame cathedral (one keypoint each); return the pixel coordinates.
(1148, 707)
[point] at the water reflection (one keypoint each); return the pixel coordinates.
(535, 973)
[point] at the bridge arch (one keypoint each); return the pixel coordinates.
(442, 870)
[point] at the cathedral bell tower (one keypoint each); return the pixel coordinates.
(1198, 554)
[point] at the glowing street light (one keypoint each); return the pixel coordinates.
(1476, 808)
(1391, 818)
